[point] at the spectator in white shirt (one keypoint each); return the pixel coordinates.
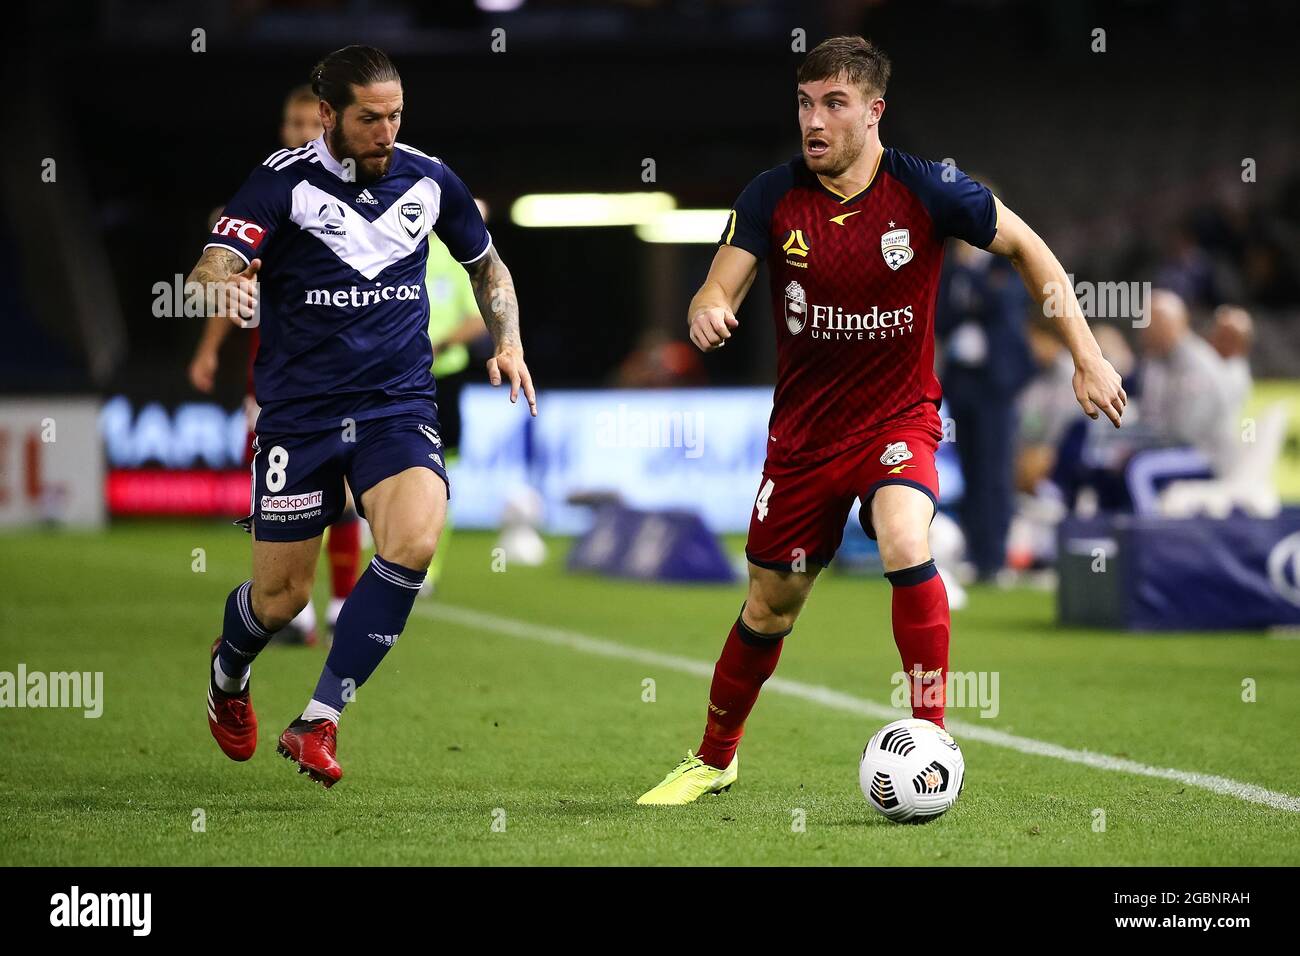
(1188, 419)
(1232, 337)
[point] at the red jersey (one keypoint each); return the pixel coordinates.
(853, 285)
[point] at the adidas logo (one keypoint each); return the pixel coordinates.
(368, 199)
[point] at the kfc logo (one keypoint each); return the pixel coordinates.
(249, 233)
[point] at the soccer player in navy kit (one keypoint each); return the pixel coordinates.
(853, 235)
(337, 233)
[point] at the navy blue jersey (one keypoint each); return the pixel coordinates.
(344, 318)
(853, 285)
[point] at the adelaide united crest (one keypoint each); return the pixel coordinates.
(895, 247)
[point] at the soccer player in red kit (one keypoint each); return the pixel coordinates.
(853, 234)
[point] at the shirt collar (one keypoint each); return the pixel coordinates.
(326, 158)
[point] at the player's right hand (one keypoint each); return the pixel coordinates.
(203, 370)
(710, 328)
(236, 297)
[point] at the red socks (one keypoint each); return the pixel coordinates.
(345, 555)
(748, 659)
(922, 626)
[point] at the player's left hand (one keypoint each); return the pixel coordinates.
(509, 362)
(1099, 389)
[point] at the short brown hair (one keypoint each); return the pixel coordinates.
(859, 61)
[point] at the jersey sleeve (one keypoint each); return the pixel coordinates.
(960, 206)
(749, 226)
(253, 215)
(459, 224)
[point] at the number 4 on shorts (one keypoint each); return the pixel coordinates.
(760, 503)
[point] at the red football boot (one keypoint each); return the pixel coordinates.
(311, 745)
(230, 717)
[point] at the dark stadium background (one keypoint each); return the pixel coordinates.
(1103, 153)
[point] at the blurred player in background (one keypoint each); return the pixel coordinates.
(980, 317)
(853, 233)
(342, 225)
(300, 125)
(454, 324)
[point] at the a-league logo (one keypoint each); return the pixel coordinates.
(332, 217)
(896, 452)
(895, 247)
(796, 308)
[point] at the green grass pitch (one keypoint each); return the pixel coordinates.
(474, 745)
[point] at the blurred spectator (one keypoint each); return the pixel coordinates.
(1187, 270)
(300, 122)
(1232, 337)
(1052, 438)
(981, 313)
(1188, 421)
(1184, 394)
(1045, 409)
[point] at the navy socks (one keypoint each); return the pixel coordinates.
(373, 618)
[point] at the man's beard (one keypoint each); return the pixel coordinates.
(338, 146)
(837, 160)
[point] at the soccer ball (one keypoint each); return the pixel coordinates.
(911, 770)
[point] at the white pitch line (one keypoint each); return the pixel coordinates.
(838, 700)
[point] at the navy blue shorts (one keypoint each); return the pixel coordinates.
(298, 479)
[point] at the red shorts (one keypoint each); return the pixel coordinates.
(800, 511)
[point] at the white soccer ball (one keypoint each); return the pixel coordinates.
(911, 770)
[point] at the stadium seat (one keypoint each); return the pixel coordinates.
(1248, 485)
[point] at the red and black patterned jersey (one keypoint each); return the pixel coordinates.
(853, 283)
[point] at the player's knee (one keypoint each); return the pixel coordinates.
(770, 613)
(765, 619)
(903, 545)
(412, 549)
(277, 603)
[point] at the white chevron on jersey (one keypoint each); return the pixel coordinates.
(412, 149)
(302, 152)
(368, 247)
(283, 158)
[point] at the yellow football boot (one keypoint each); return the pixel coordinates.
(689, 780)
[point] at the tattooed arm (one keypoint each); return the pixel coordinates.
(494, 291)
(229, 287)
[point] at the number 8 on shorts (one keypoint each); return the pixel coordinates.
(277, 460)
